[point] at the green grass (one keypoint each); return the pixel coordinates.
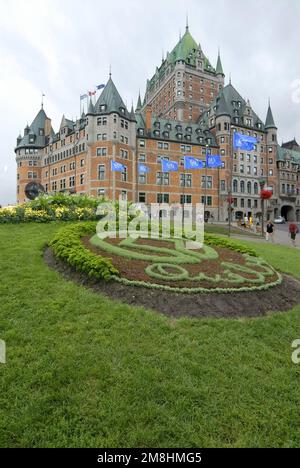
(85, 371)
(223, 230)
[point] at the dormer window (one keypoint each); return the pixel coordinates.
(168, 126)
(189, 129)
(188, 137)
(156, 124)
(141, 131)
(156, 132)
(41, 132)
(102, 107)
(31, 139)
(122, 110)
(179, 136)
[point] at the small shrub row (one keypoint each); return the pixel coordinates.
(67, 246)
(228, 244)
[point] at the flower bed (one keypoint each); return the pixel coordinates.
(220, 266)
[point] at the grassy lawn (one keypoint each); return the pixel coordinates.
(223, 230)
(86, 371)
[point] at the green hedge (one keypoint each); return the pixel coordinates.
(67, 246)
(228, 244)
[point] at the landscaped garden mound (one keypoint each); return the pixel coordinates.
(222, 278)
(167, 264)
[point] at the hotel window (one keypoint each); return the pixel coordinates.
(124, 154)
(115, 118)
(185, 199)
(72, 165)
(209, 182)
(124, 195)
(162, 197)
(185, 180)
(101, 172)
(62, 184)
(270, 160)
(248, 169)
(81, 179)
(142, 157)
(223, 185)
(101, 151)
(162, 178)
(255, 170)
(142, 178)
(101, 192)
(72, 181)
(270, 172)
(54, 186)
(124, 174)
(142, 197)
(142, 143)
(82, 163)
(32, 175)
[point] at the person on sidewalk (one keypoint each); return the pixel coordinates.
(270, 231)
(293, 230)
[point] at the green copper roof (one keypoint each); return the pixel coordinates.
(34, 131)
(283, 153)
(270, 120)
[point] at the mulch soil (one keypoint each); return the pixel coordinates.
(220, 305)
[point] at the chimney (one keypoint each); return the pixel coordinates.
(148, 118)
(47, 127)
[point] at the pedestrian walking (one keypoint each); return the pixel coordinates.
(293, 231)
(270, 231)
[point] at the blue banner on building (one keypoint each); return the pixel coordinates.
(213, 160)
(117, 167)
(168, 166)
(244, 142)
(192, 163)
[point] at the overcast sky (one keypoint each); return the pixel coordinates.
(64, 47)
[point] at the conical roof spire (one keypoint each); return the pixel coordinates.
(139, 103)
(219, 68)
(91, 109)
(270, 119)
(222, 108)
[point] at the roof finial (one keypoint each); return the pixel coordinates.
(110, 71)
(187, 22)
(163, 55)
(230, 78)
(180, 34)
(42, 105)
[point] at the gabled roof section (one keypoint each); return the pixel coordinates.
(34, 135)
(174, 130)
(293, 145)
(111, 101)
(236, 106)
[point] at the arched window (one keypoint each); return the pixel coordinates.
(242, 186)
(255, 188)
(249, 187)
(235, 185)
